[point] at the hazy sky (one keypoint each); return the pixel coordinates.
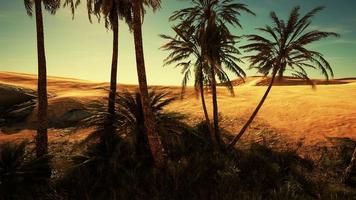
(78, 49)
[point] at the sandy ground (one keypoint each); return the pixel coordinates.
(293, 111)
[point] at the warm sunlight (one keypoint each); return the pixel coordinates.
(177, 99)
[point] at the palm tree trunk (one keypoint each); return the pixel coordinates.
(115, 55)
(215, 106)
(351, 170)
(207, 120)
(249, 121)
(42, 137)
(153, 138)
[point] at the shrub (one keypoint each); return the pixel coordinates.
(21, 176)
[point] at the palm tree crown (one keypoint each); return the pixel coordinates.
(286, 46)
(186, 52)
(210, 19)
(50, 5)
(208, 11)
(110, 10)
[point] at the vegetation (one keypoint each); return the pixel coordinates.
(120, 167)
(212, 42)
(153, 138)
(186, 52)
(350, 171)
(112, 11)
(116, 169)
(286, 47)
(20, 177)
(139, 150)
(51, 6)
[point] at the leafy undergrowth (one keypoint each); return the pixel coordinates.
(116, 164)
(115, 170)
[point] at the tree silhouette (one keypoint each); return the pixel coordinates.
(111, 11)
(51, 6)
(153, 137)
(210, 20)
(285, 46)
(186, 51)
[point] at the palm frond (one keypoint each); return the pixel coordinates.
(286, 46)
(29, 7)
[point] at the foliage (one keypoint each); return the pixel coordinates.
(50, 5)
(286, 46)
(20, 175)
(110, 11)
(186, 51)
(202, 38)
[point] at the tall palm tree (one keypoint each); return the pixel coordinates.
(153, 137)
(285, 47)
(210, 19)
(112, 11)
(51, 6)
(186, 51)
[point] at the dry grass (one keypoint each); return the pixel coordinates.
(292, 111)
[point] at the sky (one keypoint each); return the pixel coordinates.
(80, 49)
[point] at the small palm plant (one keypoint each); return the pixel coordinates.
(128, 121)
(106, 165)
(169, 125)
(286, 47)
(20, 175)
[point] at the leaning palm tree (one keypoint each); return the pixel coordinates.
(284, 48)
(51, 6)
(211, 19)
(186, 51)
(153, 137)
(111, 11)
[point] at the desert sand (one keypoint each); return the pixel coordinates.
(292, 110)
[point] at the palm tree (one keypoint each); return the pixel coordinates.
(111, 11)
(51, 6)
(285, 47)
(153, 137)
(186, 52)
(210, 20)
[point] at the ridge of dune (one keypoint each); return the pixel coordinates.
(290, 81)
(19, 75)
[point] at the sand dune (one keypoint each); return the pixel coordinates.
(288, 81)
(294, 111)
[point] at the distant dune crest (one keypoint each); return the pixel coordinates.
(289, 81)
